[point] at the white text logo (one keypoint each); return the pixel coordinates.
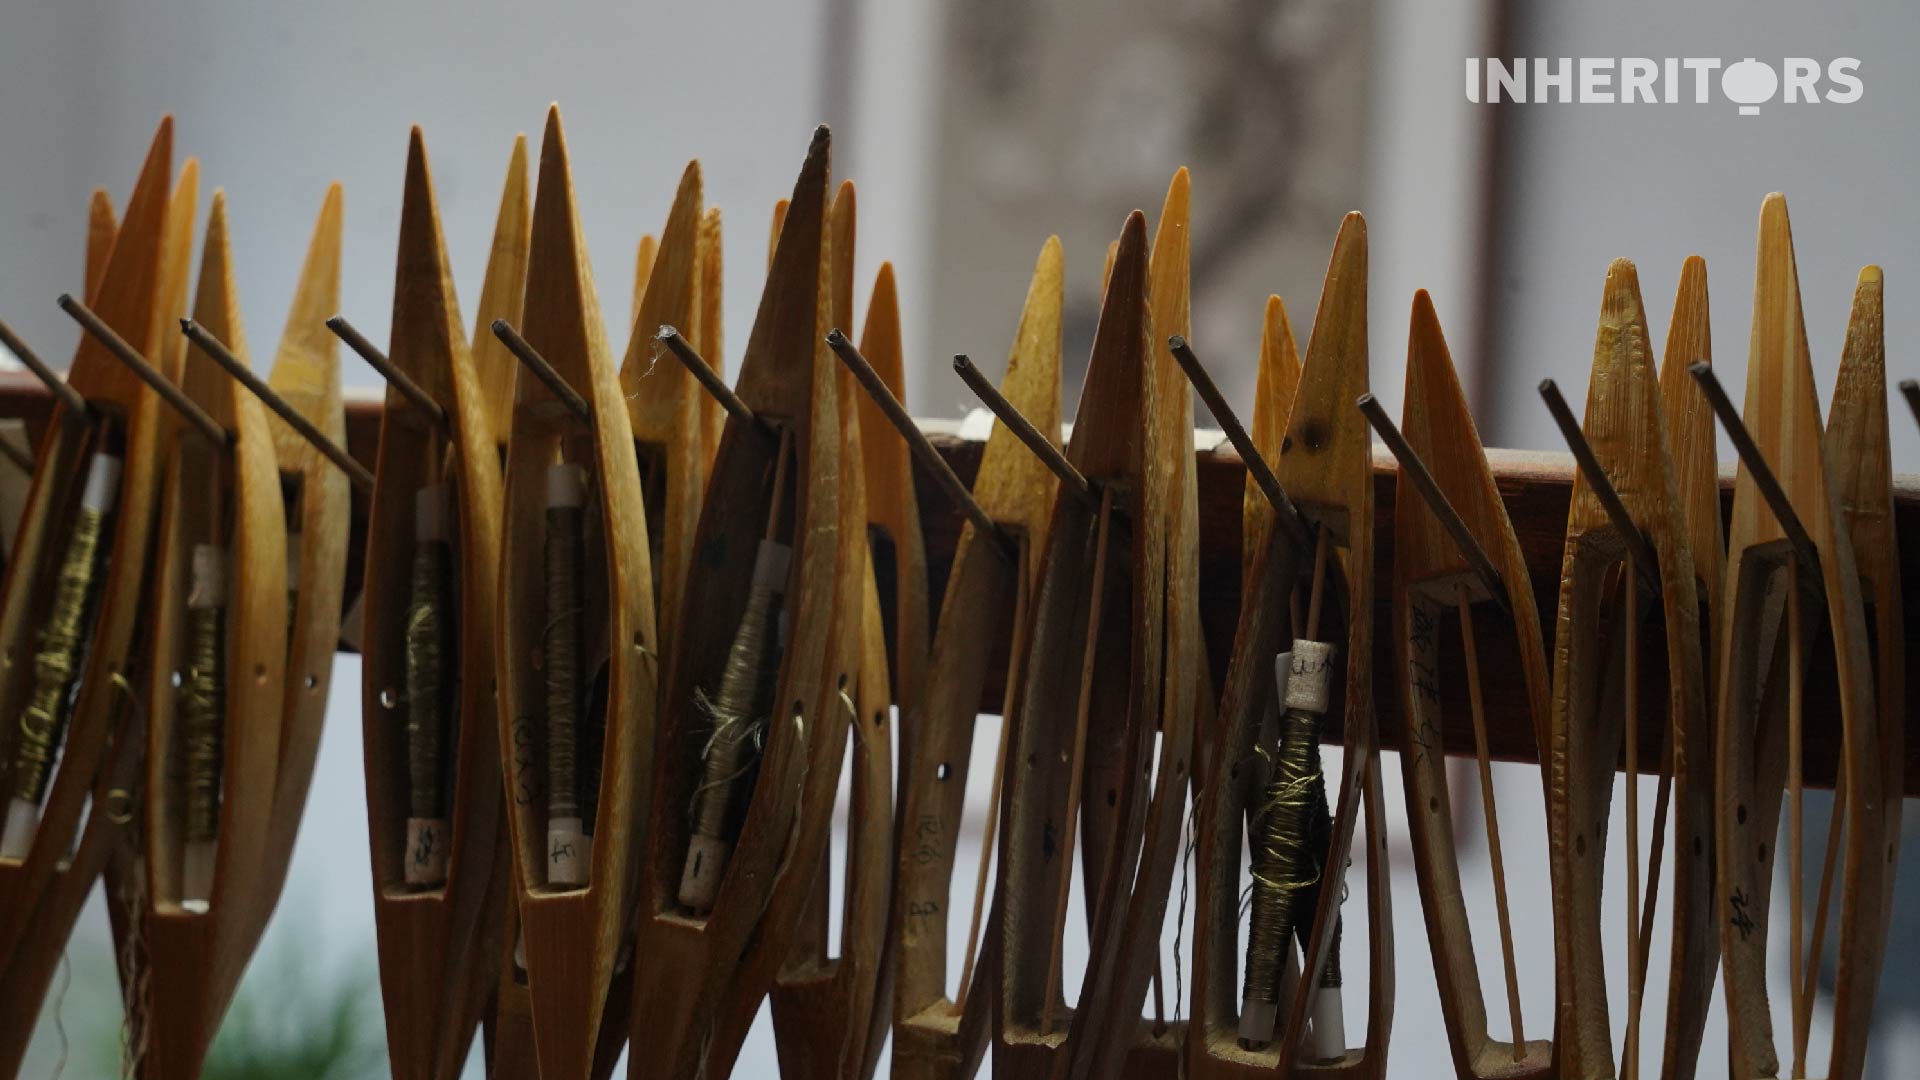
(1631, 80)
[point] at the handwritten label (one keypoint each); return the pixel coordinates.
(1741, 921)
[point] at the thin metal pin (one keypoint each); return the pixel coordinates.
(916, 439)
(20, 458)
(542, 370)
(1415, 470)
(683, 350)
(68, 396)
(1023, 429)
(1756, 463)
(1257, 466)
(396, 378)
(218, 351)
(149, 374)
(1908, 387)
(1638, 548)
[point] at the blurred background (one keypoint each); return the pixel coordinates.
(974, 130)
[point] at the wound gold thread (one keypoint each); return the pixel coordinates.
(738, 711)
(1284, 866)
(202, 705)
(426, 695)
(43, 721)
(561, 649)
(1289, 838)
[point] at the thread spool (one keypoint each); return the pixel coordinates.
(738, 714)
(428, 835)
(568, 852)
(202, 715)
(42, 723)
(1286, 866)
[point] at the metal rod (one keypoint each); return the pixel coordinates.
(20, 458)
(1257, 466)
(68, 396)
(1908, 387)
(149, 374)
(236, 367)
(1415, 470)
(1638, 548)
(1756, 464)
(377, 360)
(683, 350)
(1023, 429)
(542, 370)
(896, 414)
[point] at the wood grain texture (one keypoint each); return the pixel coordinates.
(126, 297)
(1275, 382)
(1781, 411)
(643, 255)
(708, 324)
(664, 403)
(690, 966)
(1324, 465)
(891, 507)
(438, 947)
(1114, 433)
(986, 590)
(577, 939)
(824, 1021)
(169, 348)
(318, 510)
(830, 1014)
(1693, 957)
(1428, 572)
(1860, 472)
(1624, 424)
(195, 959)
(102, 226)
(1125, 954)
(502, 291)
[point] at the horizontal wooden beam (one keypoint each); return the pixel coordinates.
(1536, 487)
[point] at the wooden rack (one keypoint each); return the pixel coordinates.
(1535, 486)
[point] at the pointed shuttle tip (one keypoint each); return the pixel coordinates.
(1870, 275)
(1774, 219)
(1350, 245)
(1423, 328)
(1181, 186)
(1621, 273)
